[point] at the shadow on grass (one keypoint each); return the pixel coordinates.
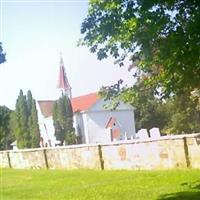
(185, 195)
(181, 196)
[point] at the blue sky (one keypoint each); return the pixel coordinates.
(33, 35)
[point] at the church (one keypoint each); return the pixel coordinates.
(92, 122)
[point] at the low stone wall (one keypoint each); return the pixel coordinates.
(68, 157)
(145, 154)
(4, 159)
(27, 159)
(193, 145)
(163, 153)
(73, 157)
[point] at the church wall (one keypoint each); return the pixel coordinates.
(97, 124)
(79, 126)
(100, 106)
(47, 133)
(85, 125)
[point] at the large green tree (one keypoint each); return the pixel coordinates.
(24, 122)
(33, 121)
(63, 121)
(183, 117)
(6, 138)
(22, 132)
(149, 110)
(160, 37)
(178, 114)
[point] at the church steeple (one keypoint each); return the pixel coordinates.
(63, 83)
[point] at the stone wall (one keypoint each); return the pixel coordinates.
(163, 153)
(193, 145)
(4, 159)
(145, 154)
(27, 159)
(73, 157)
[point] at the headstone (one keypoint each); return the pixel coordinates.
(125, 136)
(154, 133)
(142, 134)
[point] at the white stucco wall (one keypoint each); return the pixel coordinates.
(100, 106)
(95, 120)
(47, 133)
(78, 122)
(97, 125)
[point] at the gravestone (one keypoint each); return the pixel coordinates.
(142, 134)
(154, 133)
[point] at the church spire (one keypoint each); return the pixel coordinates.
(63, 83)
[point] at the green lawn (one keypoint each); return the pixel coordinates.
(85, 184)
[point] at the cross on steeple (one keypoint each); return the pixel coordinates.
(63, 84)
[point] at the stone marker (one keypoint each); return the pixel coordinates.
(154, 133)
(142, 134)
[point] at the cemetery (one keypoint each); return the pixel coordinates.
(119, 121)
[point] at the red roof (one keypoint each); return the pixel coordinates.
(81, 103)
(62, 80)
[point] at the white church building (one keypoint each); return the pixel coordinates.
(92, 122)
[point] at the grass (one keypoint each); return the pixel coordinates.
(105, 185)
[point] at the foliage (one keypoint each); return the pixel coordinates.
(25, 122)
(183, 115)
(175, 115)
(34, 127)
(98, 185)
(63, 121)
(149, 109)
(195, 95)
(161, 38)
(22, 132)
(111, 94)
(33, 121)
(71, 138)
(2, 55)
(5, 134)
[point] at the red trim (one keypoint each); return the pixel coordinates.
(111, 122)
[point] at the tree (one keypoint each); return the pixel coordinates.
(34, 127)
(60, 135)
(148, 109)
(6, 137)
(63, 121)
(22, 132)
(183, 117)
(176, 115)
(25, 122)
(2, 55)
(29, 102)
(33, 121)
(161, 38)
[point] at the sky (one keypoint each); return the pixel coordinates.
(33, 34)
